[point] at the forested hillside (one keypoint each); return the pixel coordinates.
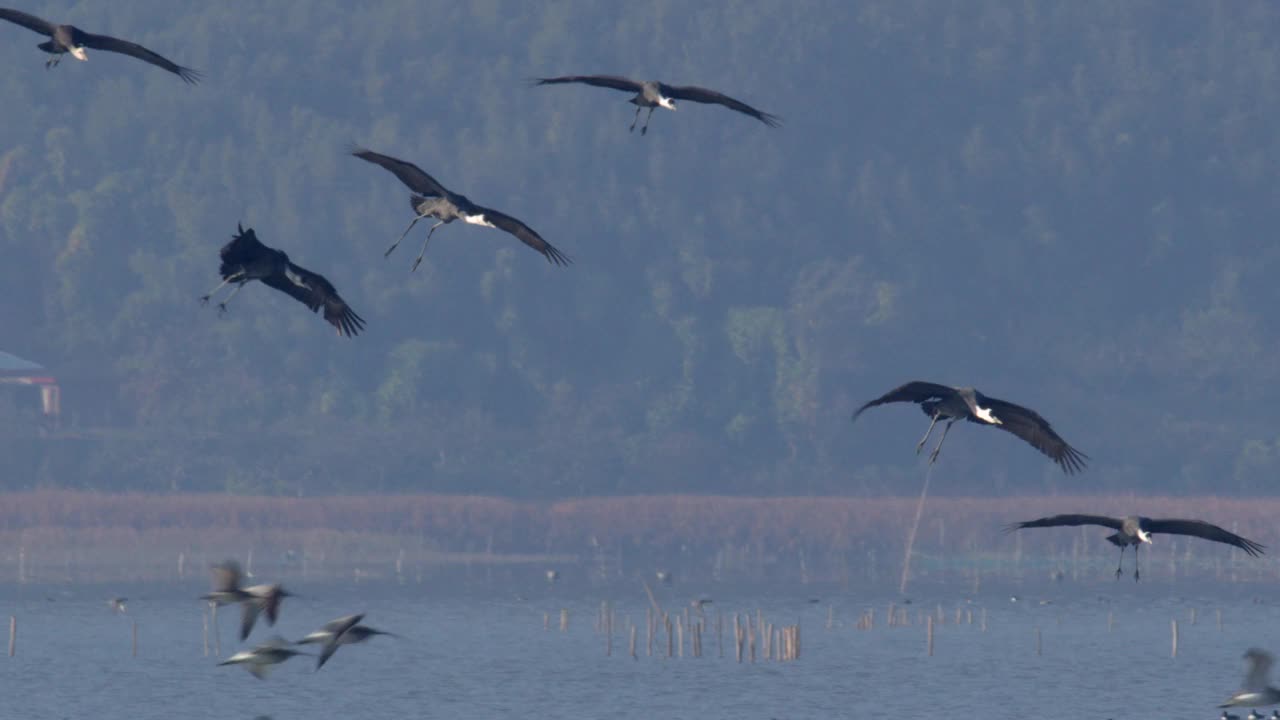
(1068, 205)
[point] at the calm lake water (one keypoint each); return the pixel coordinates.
(482, 652)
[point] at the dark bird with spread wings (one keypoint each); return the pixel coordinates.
(653, 94)
(1135, 530)
(245, 259)
(941, 402)
(69, 39)
(1255, 690)
(431, 199)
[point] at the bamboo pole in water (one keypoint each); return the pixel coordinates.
(650, 618)
(546, 621)
(929, 634)
(737, 636)
(13, 634)
(1038, 646)
(204, 627)
(984, 620)
(217, 636)
(751, 639)
(135, 638)
(666, 620)
(564, 619)
(679, 636)
(1174, 629)
(1219, 619)
(633, 643)
(720, 632)
(608, 634)
(1111, 619)
(1193, 616)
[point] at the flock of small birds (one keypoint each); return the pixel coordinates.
(245, 259)
(265, 600)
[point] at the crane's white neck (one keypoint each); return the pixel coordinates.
(667, 102)
(985, 415)
(79, 53)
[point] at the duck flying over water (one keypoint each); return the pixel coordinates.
(653, 94)
(942, 402)
(1135, 530)
(245, 259)
(431, 199)
(71, 40)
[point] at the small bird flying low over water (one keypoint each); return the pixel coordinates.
(261, 659)
(333, 635)
(227, 579)
(264, 599)
(941, 402)
(1255, 690)
(342, 631)
(653, 94)
(1135, 530)
(245, 259)
(69, 39)
(431, 199)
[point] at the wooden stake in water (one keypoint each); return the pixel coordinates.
(217, 636)
(1219, 619)
(135, 638)
(929, 634)
(1038, 647)
(633, 643)
(564, 619)
(1174, 628)
(1111, 619)
(13, 634)
(204, 627)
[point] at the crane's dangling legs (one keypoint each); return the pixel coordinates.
(1135, 561)
(645, 129)
(1121, 565)
(222, 306)
(946, 429)
(418, 262)
(236, 277)
(636, 119)
(923, 440)
(396, 244)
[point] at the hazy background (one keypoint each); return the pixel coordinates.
(1068, 205)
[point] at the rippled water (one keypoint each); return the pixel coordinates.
(483, 653)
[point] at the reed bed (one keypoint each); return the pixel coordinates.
(66, 535)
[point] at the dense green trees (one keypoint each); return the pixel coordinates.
(1066, 204)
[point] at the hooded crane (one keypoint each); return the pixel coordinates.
(1255, 690)
(431, 199)
(245, 259)
(941, 402)
(1135, 530)
(654, 94)
(64, 39)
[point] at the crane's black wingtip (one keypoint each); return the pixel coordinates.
(1011, 527)
(772, 121)
(190, 76)
(555, 257)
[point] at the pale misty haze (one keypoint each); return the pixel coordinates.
(1068, 205)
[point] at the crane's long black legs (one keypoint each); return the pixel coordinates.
(635, 120)
(396, 244)
(645, 129)
(1121, 565)
(945, 429)
(418, 262)
(923, 440)
(1135, 561)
